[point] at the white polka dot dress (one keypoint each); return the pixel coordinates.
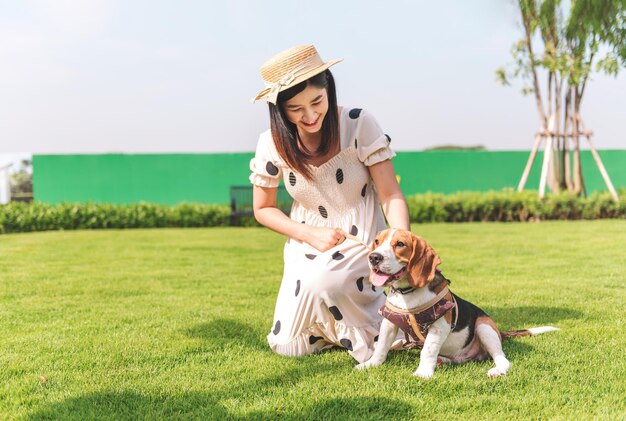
(325, 299)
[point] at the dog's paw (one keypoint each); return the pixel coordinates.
(424, 373)
(361, 366)
(366, 365)
(501, 368)
(495, 372)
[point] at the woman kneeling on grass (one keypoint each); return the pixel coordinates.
(336, 164)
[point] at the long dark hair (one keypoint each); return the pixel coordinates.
(285, 133)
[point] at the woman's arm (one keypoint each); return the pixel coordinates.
(390, 195)
(266, 213)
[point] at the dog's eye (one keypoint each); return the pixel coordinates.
(376, 241)
(400, 244)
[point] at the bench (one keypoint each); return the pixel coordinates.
(241, 202)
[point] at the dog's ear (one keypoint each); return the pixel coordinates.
(422, 264)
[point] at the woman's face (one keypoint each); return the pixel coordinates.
(307, 109)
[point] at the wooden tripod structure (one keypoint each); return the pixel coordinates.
(550, 137)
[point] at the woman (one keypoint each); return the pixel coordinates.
(336, 164)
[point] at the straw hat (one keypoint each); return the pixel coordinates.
(290, 67)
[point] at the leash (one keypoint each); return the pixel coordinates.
(351, 237)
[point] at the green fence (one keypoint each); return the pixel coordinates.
(206, 178)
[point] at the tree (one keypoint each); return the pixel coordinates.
(22, 181)
(578, 37)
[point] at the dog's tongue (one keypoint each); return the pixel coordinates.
(379, 279)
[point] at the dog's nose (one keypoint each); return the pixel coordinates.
(375, 258)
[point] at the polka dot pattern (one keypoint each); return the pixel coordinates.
(271, 168)
(313, 339)
(340, 280)
(339, 176)
(355, 113)
(346, 343)
(335, 312)
(338, 256)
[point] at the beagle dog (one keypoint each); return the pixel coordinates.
(447, 328)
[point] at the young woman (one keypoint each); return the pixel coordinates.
(336, 164)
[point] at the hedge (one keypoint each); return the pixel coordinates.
(35, 216)
(511, 206)
(502, 206)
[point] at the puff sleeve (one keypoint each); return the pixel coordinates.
(371, 143)
(265, 166)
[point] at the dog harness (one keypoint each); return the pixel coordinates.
(414, 322)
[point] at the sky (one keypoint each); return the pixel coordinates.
(139, 76)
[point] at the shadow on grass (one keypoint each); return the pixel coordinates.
(530, 316)
(378, 408)
(220, 331)
(129, 405)
(506, 318)
(409, 359)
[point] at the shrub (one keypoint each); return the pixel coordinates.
(36, 216)
(512, 206)
(501, 206)
(427, 207)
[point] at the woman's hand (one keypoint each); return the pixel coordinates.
(323, 239)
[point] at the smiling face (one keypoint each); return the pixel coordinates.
(389, 256)
(307, 109)
(401, 258)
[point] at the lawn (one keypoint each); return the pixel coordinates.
(171, 323)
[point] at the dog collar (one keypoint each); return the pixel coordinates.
(402, 291)
(409, 290)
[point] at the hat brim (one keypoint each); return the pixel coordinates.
(301, 78)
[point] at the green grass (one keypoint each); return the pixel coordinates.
(171, 323)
